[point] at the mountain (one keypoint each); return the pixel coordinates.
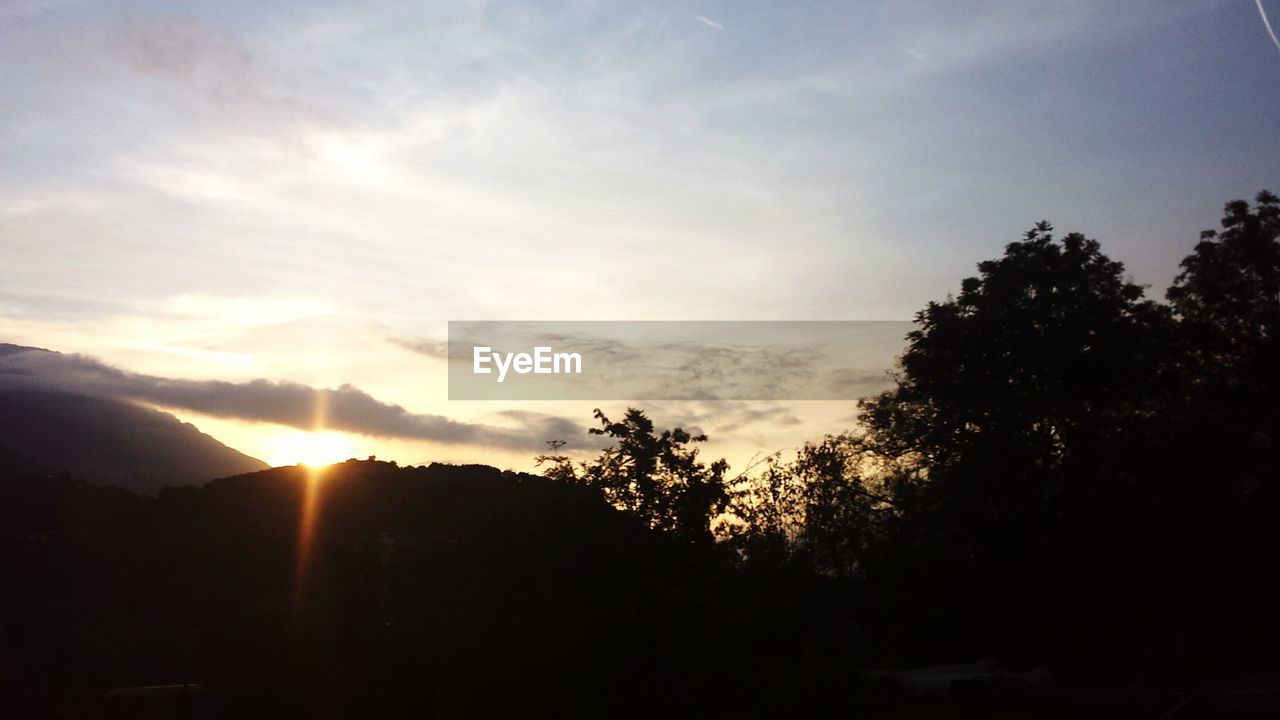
(109, 442)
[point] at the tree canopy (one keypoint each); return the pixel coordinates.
(653, 475)
(1056, 448)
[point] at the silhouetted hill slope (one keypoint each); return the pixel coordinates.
(109, 442)
(445, 592)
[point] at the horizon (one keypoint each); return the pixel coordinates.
(308, 194)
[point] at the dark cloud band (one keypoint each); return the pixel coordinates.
(345, 408)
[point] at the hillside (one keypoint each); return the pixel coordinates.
(109, 442)
(428, 592)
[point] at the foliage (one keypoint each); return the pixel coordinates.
(1065, 445)
(818, 512)
(654, 476)
(1056, 446)
(1227, 292)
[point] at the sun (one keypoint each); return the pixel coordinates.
(309, 448)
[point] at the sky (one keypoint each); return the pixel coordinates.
(261, 208)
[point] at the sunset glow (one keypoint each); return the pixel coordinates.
(662, 359)
(309, 448)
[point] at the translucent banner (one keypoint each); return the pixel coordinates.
(672, 359)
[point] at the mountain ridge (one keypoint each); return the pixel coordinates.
(105, 440)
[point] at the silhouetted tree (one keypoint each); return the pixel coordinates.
(817, 513)
(1214, 469)
(1057, 451)
(1060, 447)
(1227, 299)
(765, 514)
(1038, 356)
(556, 465)
(1009, 435)
(1228, 293)
(654, 476)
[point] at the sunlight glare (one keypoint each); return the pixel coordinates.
(309, 448)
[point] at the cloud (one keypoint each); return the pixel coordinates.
(23, 9)
(345, 408)
(709, 22)
(438, 349)
(774, 415)
(859, 382)
(189, 56)
(723, 416)
(555, 428)
(186, 50)
(1267, 23)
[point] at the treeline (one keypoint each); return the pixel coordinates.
(1066, 472)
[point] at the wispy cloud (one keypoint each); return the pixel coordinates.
(438, 349)
(709, 22)
(1267, 23)
(30, 8)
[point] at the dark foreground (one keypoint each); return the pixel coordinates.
(446, 592)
